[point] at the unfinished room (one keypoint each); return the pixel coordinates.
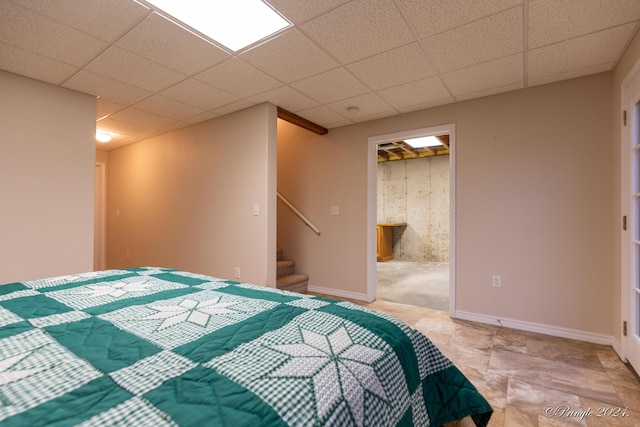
(413, 230)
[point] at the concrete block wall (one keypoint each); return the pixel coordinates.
(416, 191)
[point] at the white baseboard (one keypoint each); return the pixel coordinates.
(539, 328)
(617, 346)
(337, 293)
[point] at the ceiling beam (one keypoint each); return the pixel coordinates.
(444, 139)
(290, 117)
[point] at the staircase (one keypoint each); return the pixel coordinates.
(287, 279)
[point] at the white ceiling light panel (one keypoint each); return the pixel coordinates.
(234, 24)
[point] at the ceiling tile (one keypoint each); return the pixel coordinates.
(331, 86)
(173, 126)
(124, 66)
(116, 141)
(324, 116)
(107, 88)
(481, 41)
(571, 74)
(120, 127)
(359, 29)
(551, 21)
(105, 20)
(298, 11)
(492, 91)
(104, 107)
(285, 97)
(426, 105)
(168, 107)
(199, 94)
(139, 117)
(582, 52)
(416, 93)
(368, 105)
(429, 17)
(199, 118)
(164, 42)
(392, 68)
(376, 116)
(30, 31)
(488, 75)
(238, 78)
(289, 57)
(233, 107)
(32, 65)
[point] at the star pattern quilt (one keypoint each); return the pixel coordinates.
(160, 347)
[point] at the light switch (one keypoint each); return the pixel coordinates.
(335, 210)
(256, 209)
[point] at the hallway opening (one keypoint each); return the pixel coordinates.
(414, 220)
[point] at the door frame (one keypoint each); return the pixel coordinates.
(372, 197)
(629, 270)
(100, 220)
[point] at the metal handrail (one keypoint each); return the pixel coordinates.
(300, 215)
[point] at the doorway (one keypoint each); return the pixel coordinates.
(413, 192)
(441, 271)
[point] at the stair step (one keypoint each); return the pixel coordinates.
(294, 283)
(285, 268)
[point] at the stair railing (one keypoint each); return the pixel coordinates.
(299, 214)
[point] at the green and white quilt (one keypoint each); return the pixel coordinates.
(160, 347)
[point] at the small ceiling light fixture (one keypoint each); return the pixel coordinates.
(103, 136)
(235, 24)
(353, 109)
(424, 141)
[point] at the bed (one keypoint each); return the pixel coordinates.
(161, 347)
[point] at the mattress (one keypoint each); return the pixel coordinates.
(161, 347)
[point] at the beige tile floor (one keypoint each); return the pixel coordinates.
(531, 379)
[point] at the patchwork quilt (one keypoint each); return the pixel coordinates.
(160, 347)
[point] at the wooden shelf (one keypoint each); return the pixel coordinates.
(385, 240)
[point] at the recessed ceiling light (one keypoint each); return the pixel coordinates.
(103, 136)
(235, 24)
(423, 141)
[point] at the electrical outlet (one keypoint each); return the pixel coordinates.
(496, 280)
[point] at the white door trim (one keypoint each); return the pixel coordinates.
(627, 264)
(372, 195)
(100, 223)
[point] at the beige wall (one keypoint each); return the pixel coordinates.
(534, 180)
(46, 179)
(102, 156)
(185, 199)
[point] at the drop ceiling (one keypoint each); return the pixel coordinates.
(385, 57)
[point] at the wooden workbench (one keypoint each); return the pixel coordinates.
(385, 240)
